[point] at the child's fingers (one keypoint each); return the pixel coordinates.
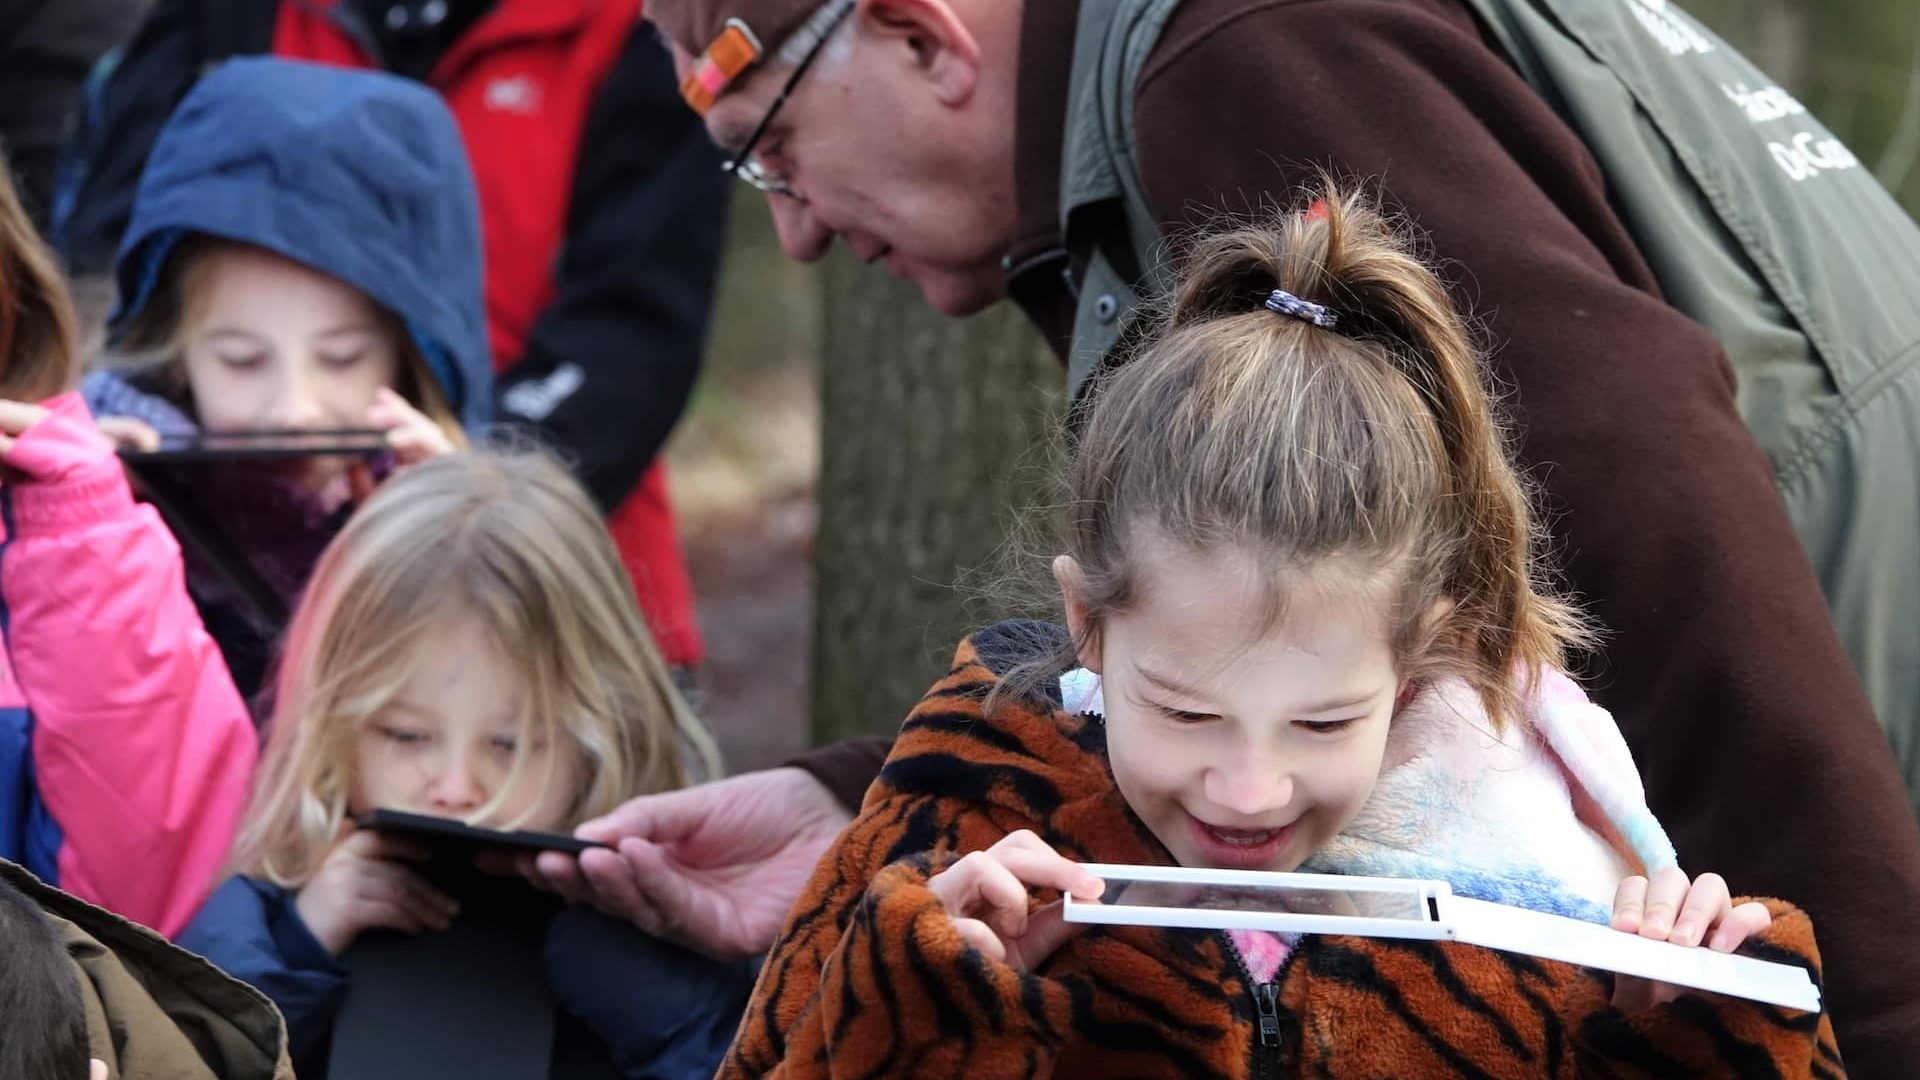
(1707, 901)
(1048, 870)
(1630, 904)
(375, 844)
(1666, 890)
(980, 936)
(384, 888)
(1634, 995)
(17, 416)
(129, 433)
(1047, 930)
(360, 482)
(389, 914)
(1036, 863)
(979, 885)
(1750, 919)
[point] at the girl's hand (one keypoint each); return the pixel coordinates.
(986, 893)
(413, 437)
(363, 884)
(15, 418)
(129, 433)
(1669, 909)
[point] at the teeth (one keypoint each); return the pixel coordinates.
(1244, 839)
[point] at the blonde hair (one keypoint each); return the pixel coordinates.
(1371, 449)
(39, 338)
(155, 339)
(511, 538)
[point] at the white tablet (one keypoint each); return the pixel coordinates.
(1178, 896)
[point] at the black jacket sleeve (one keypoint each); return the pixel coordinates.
(611, 362)
(155, 70)
(47, 49)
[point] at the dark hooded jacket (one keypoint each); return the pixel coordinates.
(358, 175)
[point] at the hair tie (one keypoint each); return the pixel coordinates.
(1285, 303)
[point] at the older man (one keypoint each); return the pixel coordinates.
(986, 148)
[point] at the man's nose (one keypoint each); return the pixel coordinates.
(802, 236)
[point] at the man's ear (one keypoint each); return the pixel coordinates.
(1073, 593)
(944, 50)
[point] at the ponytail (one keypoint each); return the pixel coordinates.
(1371, 445)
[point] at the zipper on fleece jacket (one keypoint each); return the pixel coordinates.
(1270, 1038)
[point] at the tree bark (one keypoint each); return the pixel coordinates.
(933, 431)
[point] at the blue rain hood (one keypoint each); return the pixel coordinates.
(360, 175)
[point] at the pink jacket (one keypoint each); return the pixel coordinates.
(126, 754)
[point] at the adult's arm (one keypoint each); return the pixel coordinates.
(1759, 748)
(611, 361)
(847, 768)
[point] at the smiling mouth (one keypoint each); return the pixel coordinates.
(1246, 849)
(1244, 838)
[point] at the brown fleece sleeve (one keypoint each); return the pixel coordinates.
(1759, 749)
(805, 1017)
(846, 768)
(903, 995)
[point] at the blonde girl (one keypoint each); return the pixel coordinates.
(1306, 629)
(469, 648)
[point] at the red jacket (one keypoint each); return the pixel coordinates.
(521, 83)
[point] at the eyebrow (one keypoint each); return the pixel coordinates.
(1173, 687)
(234, 332)
(1165, 683)
(349, 328)
(731, 134)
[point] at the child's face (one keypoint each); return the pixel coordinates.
(273, 344)
(448, 741)
(1240, 749)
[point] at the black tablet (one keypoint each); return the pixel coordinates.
(271, 445)
(442, 832)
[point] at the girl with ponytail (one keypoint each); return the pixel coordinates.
(1307, 628)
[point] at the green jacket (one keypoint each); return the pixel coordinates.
(1757, 222)
(154, 1010)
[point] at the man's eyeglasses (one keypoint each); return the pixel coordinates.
(750, 168)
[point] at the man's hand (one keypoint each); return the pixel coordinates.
(714, 867)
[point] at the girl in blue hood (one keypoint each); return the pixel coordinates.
(304, 252)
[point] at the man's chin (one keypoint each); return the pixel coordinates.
(960, 297)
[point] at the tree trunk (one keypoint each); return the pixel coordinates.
(933, 431)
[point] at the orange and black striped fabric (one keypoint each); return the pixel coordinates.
(870, 980)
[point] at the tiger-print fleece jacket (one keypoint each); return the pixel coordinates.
(869, 978)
